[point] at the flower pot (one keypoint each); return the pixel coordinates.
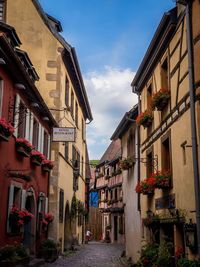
(46, 168)
(35, 161)
(162, 104)
(22, 151)
(147, 122)
(3, 137)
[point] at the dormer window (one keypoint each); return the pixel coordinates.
(2, 10)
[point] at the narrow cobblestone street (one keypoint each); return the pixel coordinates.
(94, 254)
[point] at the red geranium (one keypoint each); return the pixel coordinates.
(38, 156)
(144, 118)
(6, 128)
(24, 143)
(48, 163)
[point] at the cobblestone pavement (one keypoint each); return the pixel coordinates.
(94, 254)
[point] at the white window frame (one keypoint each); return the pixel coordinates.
(16, 116)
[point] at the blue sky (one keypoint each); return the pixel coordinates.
(110, 38)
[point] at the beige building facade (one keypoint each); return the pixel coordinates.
(61, 85)
(126, 131)
(166, 184)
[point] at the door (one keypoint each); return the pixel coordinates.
(115, 228)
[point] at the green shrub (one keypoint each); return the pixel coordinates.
(149, 255)
(13, 253)
(48, 244)
(183, 262)
(165, 254)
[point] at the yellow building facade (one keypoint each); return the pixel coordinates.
(63, 90)
(166, 182)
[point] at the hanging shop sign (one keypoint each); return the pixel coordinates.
(64, 134)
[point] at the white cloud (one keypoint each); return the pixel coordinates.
(110, 97)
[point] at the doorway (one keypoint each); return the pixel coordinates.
(115, 228)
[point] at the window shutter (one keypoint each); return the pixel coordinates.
(42, 140)
(27, 130)
(39, 137)
(23, 199)
(31, 128)
(16, 116)
(46, 204)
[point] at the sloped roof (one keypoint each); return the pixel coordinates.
(112, 153)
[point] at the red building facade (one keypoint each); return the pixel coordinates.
(25, 127)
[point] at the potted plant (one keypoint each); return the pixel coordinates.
(6, 129)
(14, 220)
(37, 158)
(23, 147)
(47, 165)
(126, 163)
(160, 99)
(163, 179)
(13, 256)
(25, 216)
(49, 250)
(145, 118)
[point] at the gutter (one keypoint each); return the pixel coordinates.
(193, 116)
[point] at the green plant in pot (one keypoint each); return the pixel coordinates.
(49, 250)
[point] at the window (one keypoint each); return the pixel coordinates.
(149, 98)
(1, 97)
(72, 104)
(150, 164)
(22, 121)
(164, 75)
(46, 144)
(2, 10)
(67, 92)
(82, 166)
(66, 150)
(166, 154)
(116, 194)
(61, 205)
(83, 130)
(131, 144)
(76, 114)
(35, 133)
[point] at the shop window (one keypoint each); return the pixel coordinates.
(1, 97)
(67, 92)
(2, 10)
(35, 133)
(22, 121)
(72, 104)
(61, 205)
(76, 114)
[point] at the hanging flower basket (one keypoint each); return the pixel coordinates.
(6, 129)
(146, 187)
(126, 163)
(163, 179)
(160, 99)
(145, 118)
(23, 147)
(37, 158)
(47, 165)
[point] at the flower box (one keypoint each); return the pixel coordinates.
(6, 130)
(163, 179)
(160, 99)
(146, 187)
(47, 165)
(23, 147)
(145, 119)
(37, 158)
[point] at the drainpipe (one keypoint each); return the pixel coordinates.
(193, 116)
(138, 145)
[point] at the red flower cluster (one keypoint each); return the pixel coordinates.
(24, 143)
(179, 252)
(6, 127)
(163, 179)
(48, 163)
(144, 117)
(48, 218)
(21, 216)
(38, 156)
(146, 186)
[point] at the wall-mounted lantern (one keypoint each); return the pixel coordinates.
(191, 235)
(20, 86)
